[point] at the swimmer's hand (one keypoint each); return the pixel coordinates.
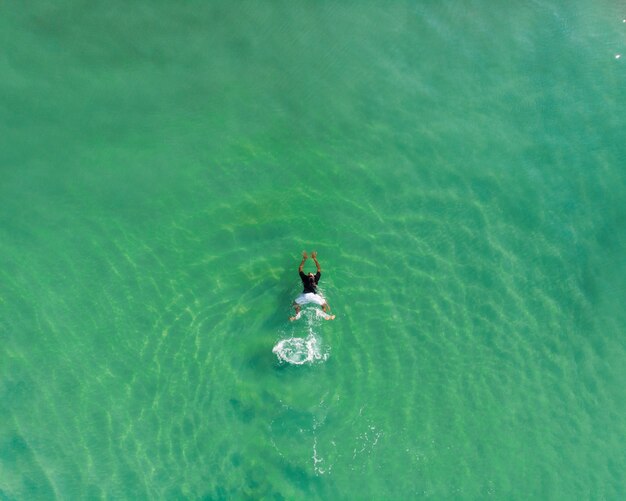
(314, 254)
(304, 255)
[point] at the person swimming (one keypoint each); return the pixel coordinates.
(310, 294)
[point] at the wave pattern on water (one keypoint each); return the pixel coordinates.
(460, 173)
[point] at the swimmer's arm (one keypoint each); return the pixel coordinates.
(304, 258)
(314, 256)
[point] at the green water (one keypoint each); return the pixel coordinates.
(458, 166)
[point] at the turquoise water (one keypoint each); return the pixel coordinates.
(459, 167)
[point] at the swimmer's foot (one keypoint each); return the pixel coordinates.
(324, 315)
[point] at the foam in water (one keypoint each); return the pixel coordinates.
(299, 351)
(302, 350)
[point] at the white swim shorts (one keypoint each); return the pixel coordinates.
(310, 297)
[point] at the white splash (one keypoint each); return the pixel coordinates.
(303, 350)
(299, 351)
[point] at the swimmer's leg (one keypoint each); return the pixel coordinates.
(298, 312)
(297, 317)
(326, 309)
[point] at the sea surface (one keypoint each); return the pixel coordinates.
(460, 168)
